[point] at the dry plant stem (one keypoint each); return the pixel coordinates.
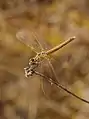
(60, 46)
(60, 86)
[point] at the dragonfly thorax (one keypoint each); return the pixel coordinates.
(41, 55)
(32, 65)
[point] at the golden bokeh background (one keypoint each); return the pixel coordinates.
(54, 21)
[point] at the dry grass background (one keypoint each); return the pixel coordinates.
(54, 21)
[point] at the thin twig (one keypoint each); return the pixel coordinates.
(60, 86)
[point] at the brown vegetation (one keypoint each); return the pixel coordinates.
(54, 21)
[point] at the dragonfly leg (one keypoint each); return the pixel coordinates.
(28, 71)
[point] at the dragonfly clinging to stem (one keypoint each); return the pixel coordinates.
(34, 62)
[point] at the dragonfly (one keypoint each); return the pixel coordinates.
(30, 70)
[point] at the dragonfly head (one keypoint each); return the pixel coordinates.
(31, 61)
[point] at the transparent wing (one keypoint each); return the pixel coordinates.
(59, 86)
(30, 39)
(43, 83)
(52, 69)
(47, 88)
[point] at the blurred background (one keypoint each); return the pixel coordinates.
(54, 21)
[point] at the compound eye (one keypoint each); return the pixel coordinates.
(38, 54)
(43, 53)
(32, 60)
